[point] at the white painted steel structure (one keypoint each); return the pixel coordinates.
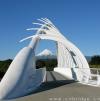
(22, 77)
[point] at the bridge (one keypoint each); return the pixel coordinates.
(22, 77)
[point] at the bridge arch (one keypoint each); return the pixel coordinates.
(22, 77)
(69, 57)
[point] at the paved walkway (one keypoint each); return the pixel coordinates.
(57, 88)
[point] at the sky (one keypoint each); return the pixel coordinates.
(78, 21)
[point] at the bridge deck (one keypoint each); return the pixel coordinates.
(57, 88)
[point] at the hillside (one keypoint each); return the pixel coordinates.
(4, 66)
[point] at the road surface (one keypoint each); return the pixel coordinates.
(58, 88)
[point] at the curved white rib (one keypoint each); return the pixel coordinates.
(17, 82)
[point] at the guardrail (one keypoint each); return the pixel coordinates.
(93, 76)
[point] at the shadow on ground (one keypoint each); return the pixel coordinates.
(53, 80)
(52, 84)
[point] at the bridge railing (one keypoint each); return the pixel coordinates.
(93, 78)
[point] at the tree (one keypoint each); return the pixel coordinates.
(95, 60)
(48, 63)
(4, 66)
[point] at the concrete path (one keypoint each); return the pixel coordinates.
(57, 88)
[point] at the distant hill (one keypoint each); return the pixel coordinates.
(4, 66)
(45, 54)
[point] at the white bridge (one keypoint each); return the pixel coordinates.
(22, 77)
